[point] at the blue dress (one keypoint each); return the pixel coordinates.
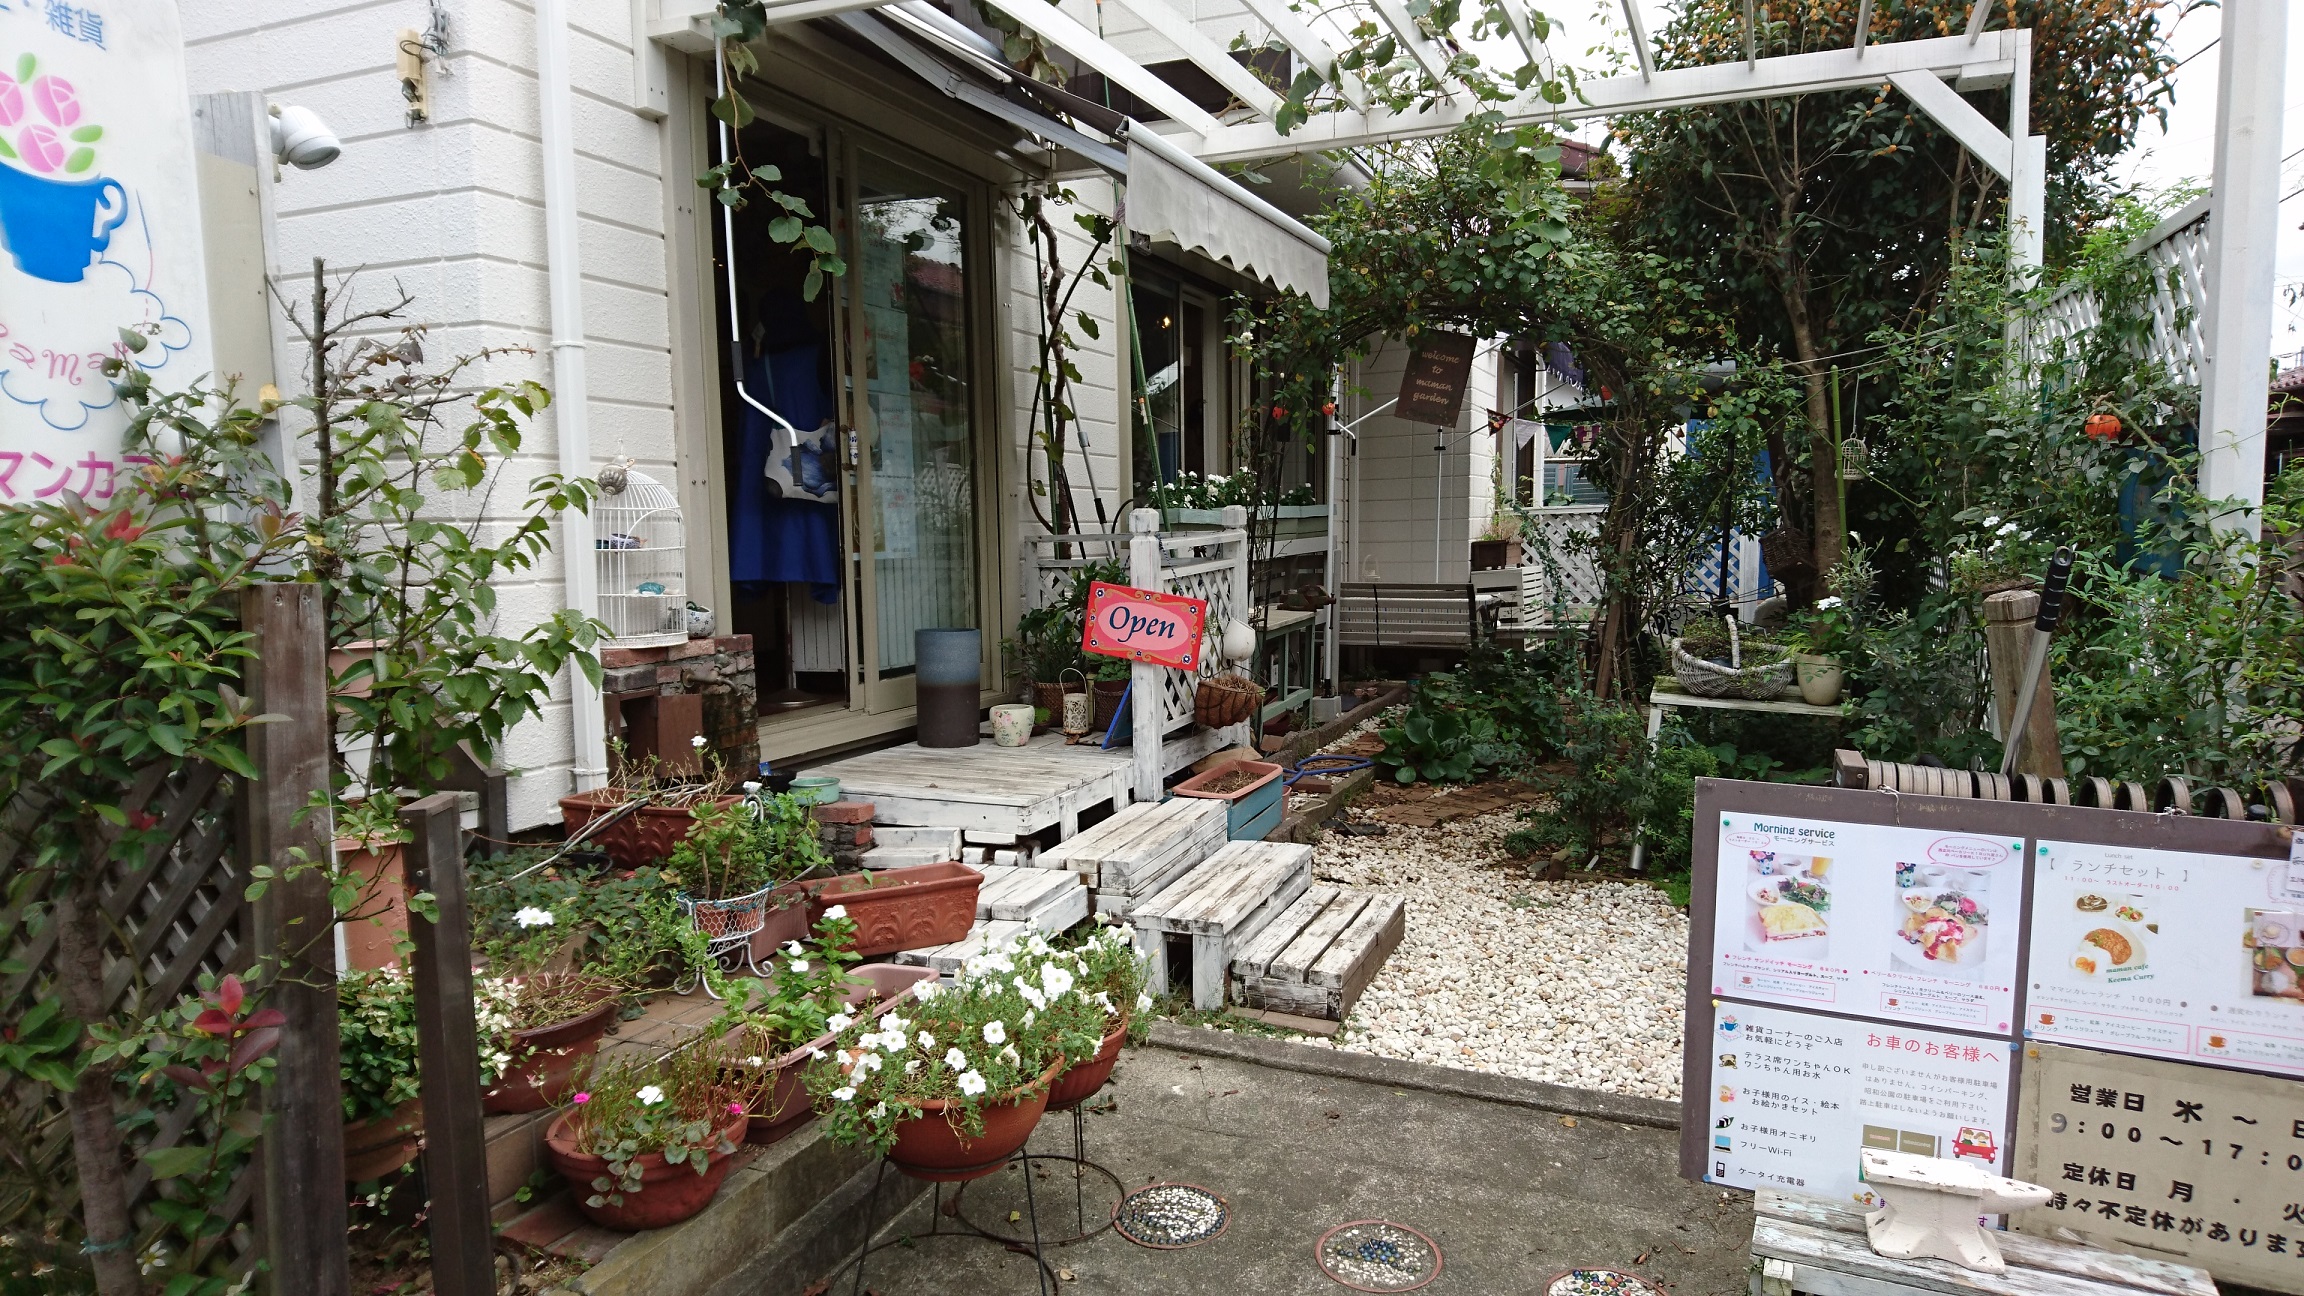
(771, 538)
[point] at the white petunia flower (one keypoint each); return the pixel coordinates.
(1828, 602)
(868, 1063)
(534, 917)
(1057, 981)
(912, 1066)
(799, 966)
(836, 911)
(649, 1095)
(926, 990)
(755, 1061)
(697, 742)
(838, 1022)
(995, 1032)
(879, 1109)
(1144, 1001)
(1009, 1055)
(971, 1083)
(927, 1041)
(816, 1055)
(955, 1059)
(844, 1093)
(792, 948)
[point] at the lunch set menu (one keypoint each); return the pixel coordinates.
(1899, 924)
(2168, 953)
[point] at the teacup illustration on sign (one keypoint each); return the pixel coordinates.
(54, 225)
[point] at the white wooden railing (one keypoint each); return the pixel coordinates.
(2177, 252)
(1209, 565)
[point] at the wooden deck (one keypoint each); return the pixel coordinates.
(992, 789)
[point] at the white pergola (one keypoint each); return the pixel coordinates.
(1931, 73)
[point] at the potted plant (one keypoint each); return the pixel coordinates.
(369, 839)
(1112, 974)
(788, 1017)
(646, 1143)
(1251, 791)
(549, 1023)
(725, 874)
(951, 1091)
(1820, 634)
(1724, 658)
(644, 814)
(1499, 543)
(376, 1029)
(794, 846)
(1109, 686)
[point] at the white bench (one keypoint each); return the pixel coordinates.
(1219, 907)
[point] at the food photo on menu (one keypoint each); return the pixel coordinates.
(1943, 917)
(2274, 940)
(1789, 897)
(2108, 936)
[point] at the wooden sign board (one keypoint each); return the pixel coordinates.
(1432, 387)
(2167, 1159)
(1140, 625)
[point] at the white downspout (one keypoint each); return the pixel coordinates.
(570, 395)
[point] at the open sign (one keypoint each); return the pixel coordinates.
(1140, 625)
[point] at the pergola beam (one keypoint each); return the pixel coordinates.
(1988, 59)
(1428, 56)
(1206, 54)
(1057, 28)
(1975, 132)
(1297, 36)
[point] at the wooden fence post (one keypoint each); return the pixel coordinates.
(2007, 639)
(448, 1053)
(303, 1146)
(1148, 707)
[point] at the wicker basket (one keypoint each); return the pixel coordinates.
(1225, 700)
(1764, 680)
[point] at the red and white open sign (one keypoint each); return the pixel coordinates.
(1140, 625)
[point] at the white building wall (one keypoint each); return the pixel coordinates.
(1099, 398)
(1404, 504)
(452, 212)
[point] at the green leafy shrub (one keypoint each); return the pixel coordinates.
(1615, 788)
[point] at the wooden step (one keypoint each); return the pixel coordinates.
(1315, 958)
(1221, 906)
(1041, 898)
(1140, 850)
(889, 857)
(946, 959)
(896, 837)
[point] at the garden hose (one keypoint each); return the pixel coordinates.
(1328, 765)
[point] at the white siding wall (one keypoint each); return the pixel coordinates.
(1392, 538)
(1100, 397)
(452, 211)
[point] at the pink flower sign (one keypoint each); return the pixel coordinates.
(1140, 625)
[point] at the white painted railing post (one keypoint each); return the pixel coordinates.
(2237, 318)
(1148, 707)
(1236, 519)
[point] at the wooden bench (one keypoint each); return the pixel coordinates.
(1806, 1244)
(1218, 908)
(1320, 953)
(1132, 855)
(1413, 616)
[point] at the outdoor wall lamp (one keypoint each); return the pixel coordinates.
(301, 139)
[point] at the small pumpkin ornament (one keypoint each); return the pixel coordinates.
(2102, 427)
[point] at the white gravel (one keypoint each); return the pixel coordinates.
(1577, 983)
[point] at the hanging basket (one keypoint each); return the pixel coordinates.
(1225, 700)
(1762, 680)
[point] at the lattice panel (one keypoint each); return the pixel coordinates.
(1560, 551)
(2178, 262)
(1196, 564)
(174, 915)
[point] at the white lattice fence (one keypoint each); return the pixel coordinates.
(2177, 252)
(1560, 553)
(1210, 565)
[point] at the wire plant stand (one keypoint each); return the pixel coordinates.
(728, 925)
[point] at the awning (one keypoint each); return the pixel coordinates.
(1174, 197)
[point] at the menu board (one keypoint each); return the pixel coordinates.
(1904, 925)
(1796, 1097)
(2167, 1158)
(2169, 954)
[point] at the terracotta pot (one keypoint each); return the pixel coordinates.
(904, 908)
(668, 1193)
(643, 837)
(545, 1061)
(928, 1147)
(370, 940)
(1083, 1079)
(787, 919)
(376, 1147)
(781, 1105)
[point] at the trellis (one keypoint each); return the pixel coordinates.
(173, 915)
(2176, 251)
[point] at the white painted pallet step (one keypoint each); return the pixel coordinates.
(1315, 958)
(1221, 905)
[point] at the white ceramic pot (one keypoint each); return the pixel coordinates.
(1819, 678)
(1239, 641)
(1011, 724)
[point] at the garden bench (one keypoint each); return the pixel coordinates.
(1807, 1244)
(1320, 953)
(1414, 616)
(1218, 908)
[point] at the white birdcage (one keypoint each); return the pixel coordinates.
(643, 559)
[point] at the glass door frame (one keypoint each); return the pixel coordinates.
(981, 284)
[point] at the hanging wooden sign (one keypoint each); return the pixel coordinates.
(1432, 387)
(1140, 625)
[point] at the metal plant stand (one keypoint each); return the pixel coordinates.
(729, 924)
(1041, 1273)
(1082, 1167)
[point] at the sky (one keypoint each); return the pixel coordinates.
(2160, 159)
